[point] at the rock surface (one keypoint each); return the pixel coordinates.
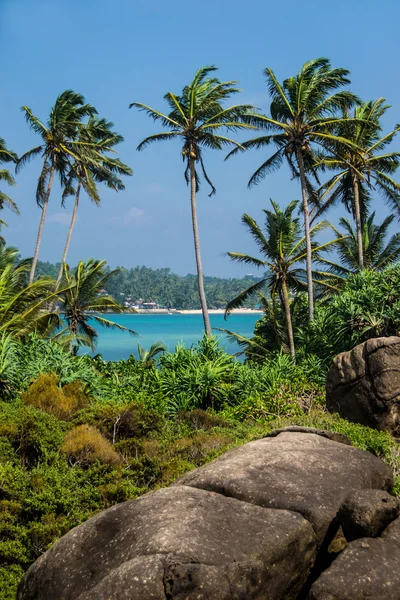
(367, 568)
(177, 543)
(301, 472)
(252, 525)
(363, 385)
(366, 513)
(331, 435)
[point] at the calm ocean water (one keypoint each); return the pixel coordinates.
(171, 329)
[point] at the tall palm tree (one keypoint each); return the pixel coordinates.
(197, 117)
(7, 156)
(93, 165)
(23, 305)
(83, 300)
(283, 251)
(363, 166)
(303, 115)
(58, 136)
(378, 253)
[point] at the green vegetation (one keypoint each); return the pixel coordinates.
(78, 434)
(199, 119)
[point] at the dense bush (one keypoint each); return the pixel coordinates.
(78, 435)
(84, 445)
(45, 393)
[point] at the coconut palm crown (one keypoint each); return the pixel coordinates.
(378, 251)
(364, 167)
(199, 119)
(94, 163)
(7, 156)
(83, 302)
(58, 137)
(303, 116)
(283, 251)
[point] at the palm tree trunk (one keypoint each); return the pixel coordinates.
(203, 301)
(68, 241)
(41, 225)
(357, 214)
(307, 235)
(286, 308)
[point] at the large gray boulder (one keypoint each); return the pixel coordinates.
(301, 472)
(252, 525)
(177, 543)
(366, 513)
(363, 385)
(367, 568)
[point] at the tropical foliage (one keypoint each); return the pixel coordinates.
(82, 300)
(378, 252)
(304, 115)
(199, 120)
(6, 156)
(365, 164)
(283, 253)
(57, 147)
(78, 433)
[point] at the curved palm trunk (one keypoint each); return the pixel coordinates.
(41, 225)
(286, 308)
(357, 214)
(203, 301)
(68, 241)
(307, 235)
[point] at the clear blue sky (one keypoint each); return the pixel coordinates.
(136, 50)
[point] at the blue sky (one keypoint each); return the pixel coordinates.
(136, 50)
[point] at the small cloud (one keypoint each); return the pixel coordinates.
(133, 215)
(154, 188)
(63, 218)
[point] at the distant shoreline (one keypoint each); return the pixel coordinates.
(195, 311)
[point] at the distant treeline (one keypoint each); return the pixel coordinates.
(167, 288)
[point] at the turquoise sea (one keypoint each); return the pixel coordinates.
(171, 329)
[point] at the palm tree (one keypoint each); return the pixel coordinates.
(57, 148)
(7, 156)
(376, 252)
(147, 357)
(197, 117)
(363, 166)
(283, 250)
(23, 305)
(93, 165)
(83, 300)
(303, 115)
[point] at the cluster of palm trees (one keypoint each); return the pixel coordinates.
(314, 124)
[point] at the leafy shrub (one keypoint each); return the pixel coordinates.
(39, 356)
(45, 394)
(120, 421)
(201, 419)
(85, 445)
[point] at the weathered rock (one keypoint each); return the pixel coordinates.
(363, 385)
(301, 472)
(366, 513)
(331, 435)
(178, 543)
(367, 568)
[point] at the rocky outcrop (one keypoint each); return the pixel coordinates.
(302, 472)
(249, 526)
(366, 513)
(363, 385)
(177, 543)
(367, 568)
